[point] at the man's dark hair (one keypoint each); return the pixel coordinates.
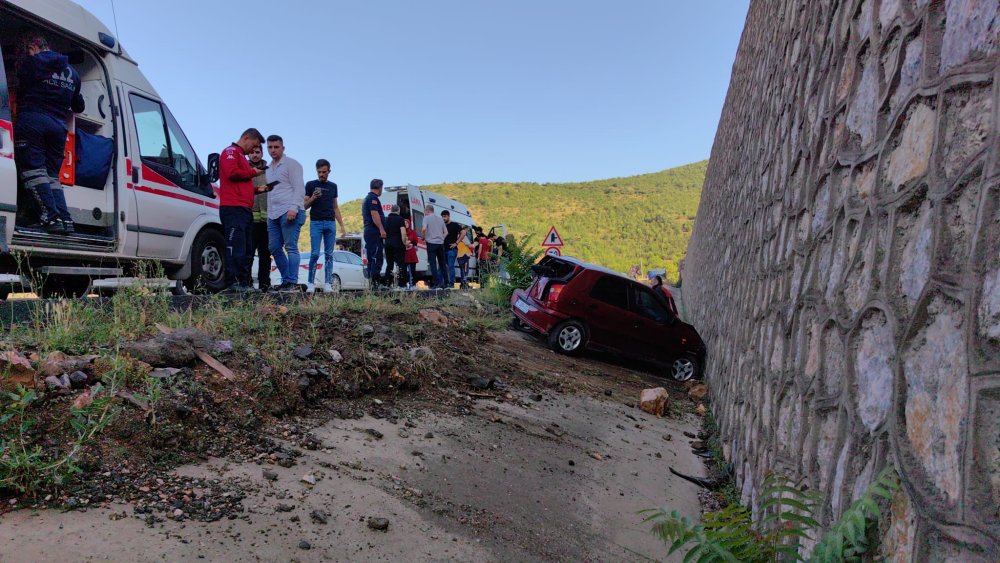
(659, 279)
(376, 184)
(33, 39)
(253, 134)
(492, 236)
(446, 212)
(321, 163)
(275, 139)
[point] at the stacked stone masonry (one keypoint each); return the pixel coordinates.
(845, 264)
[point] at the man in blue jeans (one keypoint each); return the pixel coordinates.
(321, 200)
(285, 212)
(435, 232)
(456, 233)
(373, 217)
(49, 93)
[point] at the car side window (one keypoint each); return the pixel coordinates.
(418, 221)
(644, 303)
(611, 290)
(356, 260)
(339, 257)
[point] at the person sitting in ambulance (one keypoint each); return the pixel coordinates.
(48, 94)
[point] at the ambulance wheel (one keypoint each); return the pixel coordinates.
(208, 265)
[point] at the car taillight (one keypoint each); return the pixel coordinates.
(554, 291)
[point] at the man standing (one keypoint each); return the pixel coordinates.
(236, 198)
(456, 233)
(395, 247)
(49, 93)
(321, 200)
(374, 231)
(259, 236)
(285, 212)
(434, 234)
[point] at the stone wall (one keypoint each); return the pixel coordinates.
(845, 263)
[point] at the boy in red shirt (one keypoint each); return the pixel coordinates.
(236, 195)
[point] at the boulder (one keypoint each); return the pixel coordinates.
(15, 370)
(176, 348)
(698, 392)
(654, 401)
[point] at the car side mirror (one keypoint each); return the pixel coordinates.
(213, 167)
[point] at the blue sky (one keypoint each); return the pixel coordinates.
(444, 90)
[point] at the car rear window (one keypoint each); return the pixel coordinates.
(611, 290)
(551, 267)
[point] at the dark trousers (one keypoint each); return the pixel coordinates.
(40, 140)
(260, 245)
(436, 260)
(374, 248)
(394, 257)
(237, 228)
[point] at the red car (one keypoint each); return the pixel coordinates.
(580, 306)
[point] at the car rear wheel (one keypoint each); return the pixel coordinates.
(335, 284)
(569, 337)
(685, 368)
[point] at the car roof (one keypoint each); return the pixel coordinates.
(589, 266)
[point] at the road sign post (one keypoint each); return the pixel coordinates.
(553, 251)
(552, 240)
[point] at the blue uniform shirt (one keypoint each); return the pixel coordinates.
(370, 204)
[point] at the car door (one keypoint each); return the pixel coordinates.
(355, 269)
(608, 317)
(171, 188)
(652, 324)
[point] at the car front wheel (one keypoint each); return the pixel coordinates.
(208, 266)
(685, 368)
(569, 337)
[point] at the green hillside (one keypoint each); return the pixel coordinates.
(641, 220)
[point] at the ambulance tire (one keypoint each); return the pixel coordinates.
(208, 266)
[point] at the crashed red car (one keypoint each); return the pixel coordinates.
(578, 306)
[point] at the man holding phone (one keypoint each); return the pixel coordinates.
(285, 212)
(321, 200)
(236, 196)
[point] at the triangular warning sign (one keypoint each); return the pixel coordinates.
(553, 238)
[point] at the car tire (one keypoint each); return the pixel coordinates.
(568, 337)
(685, 368)
(208, 263)
(335, 284)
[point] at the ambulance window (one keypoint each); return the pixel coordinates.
(162, 145)
(418, 221)
(183, 157)
(6, 139)
(4, 97)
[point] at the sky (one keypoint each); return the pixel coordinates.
(444, 90)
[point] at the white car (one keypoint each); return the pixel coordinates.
(348, 271)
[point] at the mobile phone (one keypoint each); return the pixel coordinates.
(270, 185)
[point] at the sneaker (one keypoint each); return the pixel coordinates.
(69, 227)
(310, 288)
(327, 288)
(288, 288)
(54, 227)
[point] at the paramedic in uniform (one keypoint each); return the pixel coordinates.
(236, 197)
(48, 95)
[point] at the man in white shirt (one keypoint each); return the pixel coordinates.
(435, 232)
(285, 212)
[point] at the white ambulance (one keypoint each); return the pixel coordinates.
(136, 188)
(411, 201)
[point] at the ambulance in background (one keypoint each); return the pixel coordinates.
(411, 201)
(134, 184)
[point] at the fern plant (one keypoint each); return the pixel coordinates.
(787, 518)
(848, 539)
